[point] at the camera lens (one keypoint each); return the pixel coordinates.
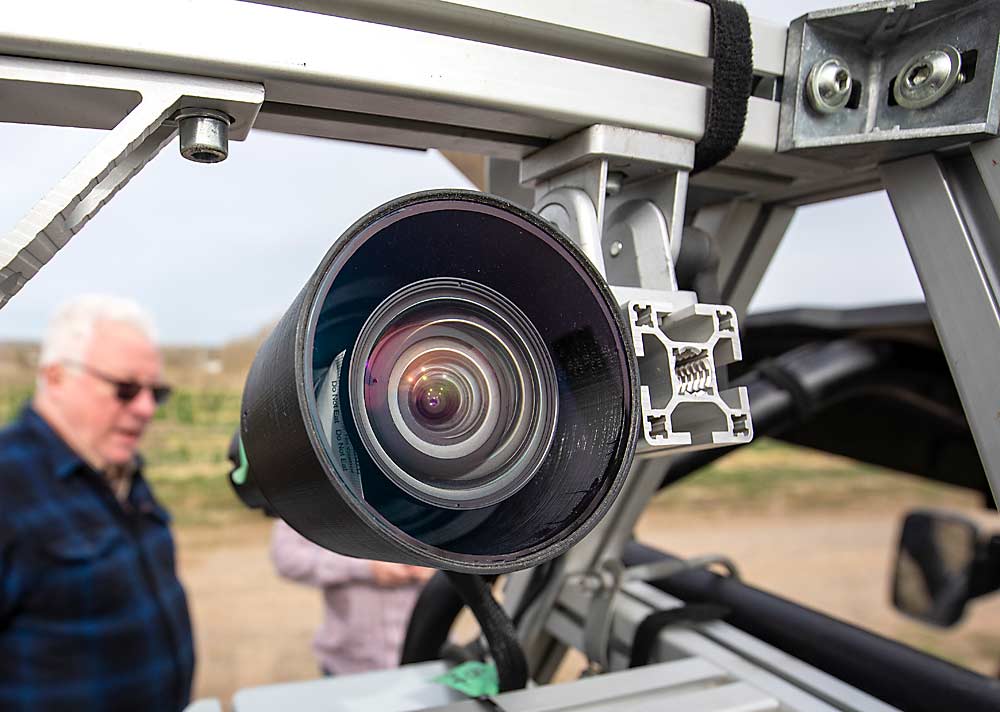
(454, 393)
(453, 387)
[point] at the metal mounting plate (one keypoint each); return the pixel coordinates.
(876, 40)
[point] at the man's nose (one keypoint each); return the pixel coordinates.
(143, 405)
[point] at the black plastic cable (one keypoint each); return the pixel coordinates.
(732, 82)
(512, 668)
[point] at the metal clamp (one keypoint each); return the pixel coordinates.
(620, 195)
(607, 581)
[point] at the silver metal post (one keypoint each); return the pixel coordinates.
(952, 229)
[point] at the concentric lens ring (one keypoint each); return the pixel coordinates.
(484, 418)
(453, 392)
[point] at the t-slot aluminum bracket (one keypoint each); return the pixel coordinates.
(152, 104)
(620, 195)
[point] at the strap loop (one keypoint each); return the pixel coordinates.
(732, 82)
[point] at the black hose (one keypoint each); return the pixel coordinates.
(895, 673)
(785, 390)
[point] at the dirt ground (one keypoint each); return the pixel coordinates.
(253, 628)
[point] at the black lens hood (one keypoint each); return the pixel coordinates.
(335, 495)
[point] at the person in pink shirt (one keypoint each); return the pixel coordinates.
(367, 604)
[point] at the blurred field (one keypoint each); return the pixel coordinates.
(815, 528)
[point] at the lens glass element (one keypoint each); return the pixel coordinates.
(454, 393)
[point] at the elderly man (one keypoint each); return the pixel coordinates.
(92, 616)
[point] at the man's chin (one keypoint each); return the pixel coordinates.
(120, 456)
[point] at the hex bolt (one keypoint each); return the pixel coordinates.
(204, 134)
(615, 181)
(829, 84)
(927, 77)
(616, 248)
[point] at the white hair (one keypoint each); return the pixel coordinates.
(71, 329)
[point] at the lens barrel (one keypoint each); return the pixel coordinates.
(453, 393)
(453, 388)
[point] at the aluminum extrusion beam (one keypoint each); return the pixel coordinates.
(431, 74)
(669, 38)
(311, 63)
(952, 229)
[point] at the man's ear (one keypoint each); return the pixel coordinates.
(52, 374)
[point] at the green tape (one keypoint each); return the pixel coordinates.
(239, 475)
(473, 679)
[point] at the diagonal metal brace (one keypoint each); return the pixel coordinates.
(68, 94)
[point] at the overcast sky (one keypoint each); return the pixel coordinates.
(217, 251)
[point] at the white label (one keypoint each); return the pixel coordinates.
(328, 407)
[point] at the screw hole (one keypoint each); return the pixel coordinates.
(856, 90)
(969, 64)
(891, 96)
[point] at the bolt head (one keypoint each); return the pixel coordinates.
(614, 183)
(928, 77)
(204, 135)
(829, 84)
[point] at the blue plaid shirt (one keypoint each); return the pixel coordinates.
(92, 616)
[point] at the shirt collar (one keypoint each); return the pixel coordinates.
(64, 460)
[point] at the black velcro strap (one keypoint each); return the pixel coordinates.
(512, 668)
(649, 630)
(732, 82)
(774, 372)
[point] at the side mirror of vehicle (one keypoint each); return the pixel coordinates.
(941, 564)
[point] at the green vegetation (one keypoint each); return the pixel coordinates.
(12, 399)
(201, 408)
(185, 452)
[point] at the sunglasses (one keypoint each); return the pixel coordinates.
(126, 391)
